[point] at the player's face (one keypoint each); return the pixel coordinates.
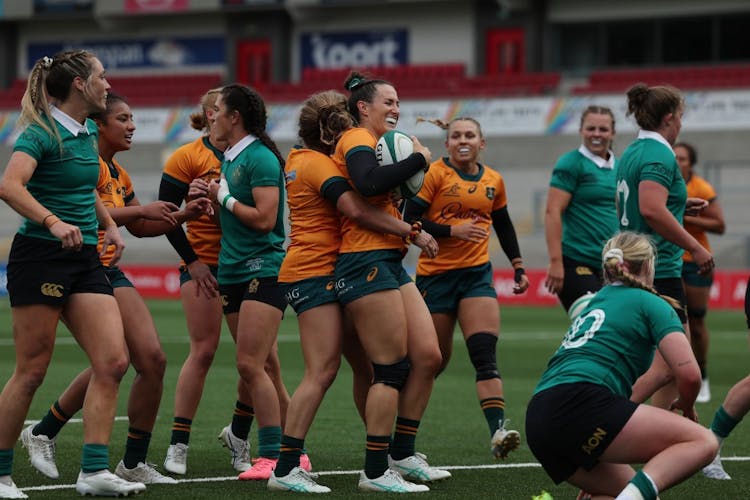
(96, 87)
(464, 142)
(683, 160)
(597, 133)
(116, 132)
(382, 113)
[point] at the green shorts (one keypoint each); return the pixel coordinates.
(309, 293)
(691, 277)
(117, 278)
(442, 292)
(362, 273)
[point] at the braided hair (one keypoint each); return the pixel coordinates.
(249, 104)
(51, 78)
(624, 256)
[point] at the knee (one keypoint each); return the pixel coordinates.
(324, 378)
(429, 363)
(481, 347)
(32, 378)
(203, 357)
(115, 368)
(709, 446)
(696, 313)
(153, 364)
(248, 370)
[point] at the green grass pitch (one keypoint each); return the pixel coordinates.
(453, 432)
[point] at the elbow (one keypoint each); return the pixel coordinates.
(265, 227)
(721, 228)
(4, 192)
(357, 215)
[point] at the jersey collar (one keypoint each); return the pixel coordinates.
(67, 121)
(232, 152)
(598, 160)
(648, 134)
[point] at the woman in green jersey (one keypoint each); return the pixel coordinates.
(54, 269)
(580, 214)
(581, 424)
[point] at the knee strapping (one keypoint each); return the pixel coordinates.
(393, 375)
(481, 348)
(696, 312)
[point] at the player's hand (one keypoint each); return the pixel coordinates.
(68, 234)
(469, 231)
(198, 188)
(205, 282)
(161, 211)
(522, 281)
(418, 148)
(427, 243)
(555, 277)
(112, 237)
(694, 206)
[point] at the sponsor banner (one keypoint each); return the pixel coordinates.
(57, 6)
(140, 6)
(140, 54)
(236, 3)
(499, 117)
(354, 49)
(727, 292)
(160, 282)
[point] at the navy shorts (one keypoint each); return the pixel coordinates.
(673, 287)
(579, 280)
(42, 272)
(570, 425)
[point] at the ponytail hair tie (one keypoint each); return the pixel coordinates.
(46, 62)
(614, 253)
(354, 83)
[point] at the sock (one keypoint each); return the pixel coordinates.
(376, 456)
(494, 412)
(95, 457)
(723, 423)
(269, 441)
(136, 447)
(291, 449)
(52, 422)
(242, 420)
(404, 438)
(6, 462)
(181, 430)
(641, 487)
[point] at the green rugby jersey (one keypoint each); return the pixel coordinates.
(612, 341)
(590, 218)
(246, 253)
(649, 159)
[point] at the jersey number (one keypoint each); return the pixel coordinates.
(583, 328)
(623, 191)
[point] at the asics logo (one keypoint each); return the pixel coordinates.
(371, 275)
(52, 289)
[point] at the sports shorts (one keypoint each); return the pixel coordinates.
(42, 272)
(570, 425)
(442, 292)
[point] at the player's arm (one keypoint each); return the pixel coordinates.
(370, 178)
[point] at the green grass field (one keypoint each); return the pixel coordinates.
(453, 431)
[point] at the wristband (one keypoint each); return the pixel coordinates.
(518, 273)
(228, 202)
(55, 221)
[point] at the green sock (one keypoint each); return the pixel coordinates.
(723, 423)
(404, 438)
(376, 456)
(52, 422)
(242, 420)
(181, 430)
(291, 449)
(269, 441)
(6, 462)
(95, 457)
(645, 485)
(494, 412)
(136, 447)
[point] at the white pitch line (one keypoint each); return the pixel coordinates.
(346, 472)
(73, 421)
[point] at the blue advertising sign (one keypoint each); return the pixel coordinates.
(56, 6)
(354, 49)
(3, 280)
(166, 52)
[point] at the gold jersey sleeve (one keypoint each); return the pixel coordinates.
(455, 198)
(196, 161)
(353, 237)
(315, 229)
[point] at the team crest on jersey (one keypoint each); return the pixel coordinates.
(472, 188)
(489, 191)
(453, 190)
(253, 286)
(108, 188)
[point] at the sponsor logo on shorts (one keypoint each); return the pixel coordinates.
(583, 271)
(330, 285)
(52, 289)
(594, 441)
(372, 274)
(253, 286)
(224, 300)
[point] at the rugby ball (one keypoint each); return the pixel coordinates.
(392, 147)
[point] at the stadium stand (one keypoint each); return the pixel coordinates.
(684, 77)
